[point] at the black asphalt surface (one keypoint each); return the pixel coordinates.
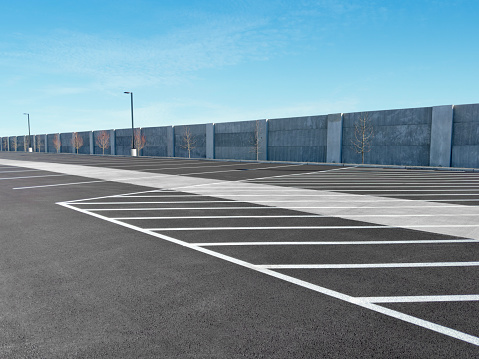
(85, 285)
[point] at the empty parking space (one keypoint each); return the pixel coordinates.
(434, 186)
(401, 243)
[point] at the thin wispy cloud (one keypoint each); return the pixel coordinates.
(157, 59)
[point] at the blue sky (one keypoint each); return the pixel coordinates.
(68, 62)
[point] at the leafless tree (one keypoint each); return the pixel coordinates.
(39, 142)
(77, 141)
(256, 140)
(189, 141)
(103, 140)
(363, 134)
(140, 140)
(57, 143)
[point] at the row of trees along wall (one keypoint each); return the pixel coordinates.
(439, 136)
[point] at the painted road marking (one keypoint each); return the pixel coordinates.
(162, 195)
(357, 301)
(235, 170)
(19, 171)
(337, 196)
(11, 178)
(177, 208)
(59, 184)
(368, 265)
(422, 298)
(223, 217)
(159, 202)
(264, 228)
(380, 183)
(214, 187)
(283, 201)
(313, 243)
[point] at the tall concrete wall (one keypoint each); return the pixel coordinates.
(299, 139)
(50, 145)
(210, 140)
(13, 144)
(156, 141)
(198, 138)
(123, 141)
(96, 148)
(66, 140)
(441, 136)
(85, 149)
(437, 136)
(21, 143)
(39, 143)
(465, 139)
(334, 145)
(235, 140)
(401, 137)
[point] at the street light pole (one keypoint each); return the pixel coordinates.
(133, 150)
(29, 137)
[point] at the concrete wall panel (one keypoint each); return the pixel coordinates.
(300, 139)
(85, 149)
(21, 144)
(123, 142)
(236, 140)
(334, 138)
(441, 136)
(96, 148)
(156, 141)
(401, 137)
(210, 140)
(66, 140)
(198, 133)
(13, 145)
(465, 139)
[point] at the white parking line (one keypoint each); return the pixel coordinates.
(374, 307)
(19, 171)
(378, 184)
(475, 191)
(11, 178)
(258, 207)
(338, 243)
(422, 298)
(223, 217)
(264, 228)
(312, 227)
(159, 202)
(175, 208)
(337, 196)
(60, 184)
(286, 201)
(183, 167)
(163, 195)
(367, 265)
(319, 173)
(235, 170)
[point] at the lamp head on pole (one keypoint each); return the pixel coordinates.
(128, 92)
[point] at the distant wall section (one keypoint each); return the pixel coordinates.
(298, 139)
(426, 136)
(401, 137)
(465, 138)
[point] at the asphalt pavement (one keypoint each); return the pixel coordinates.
(120, 257)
